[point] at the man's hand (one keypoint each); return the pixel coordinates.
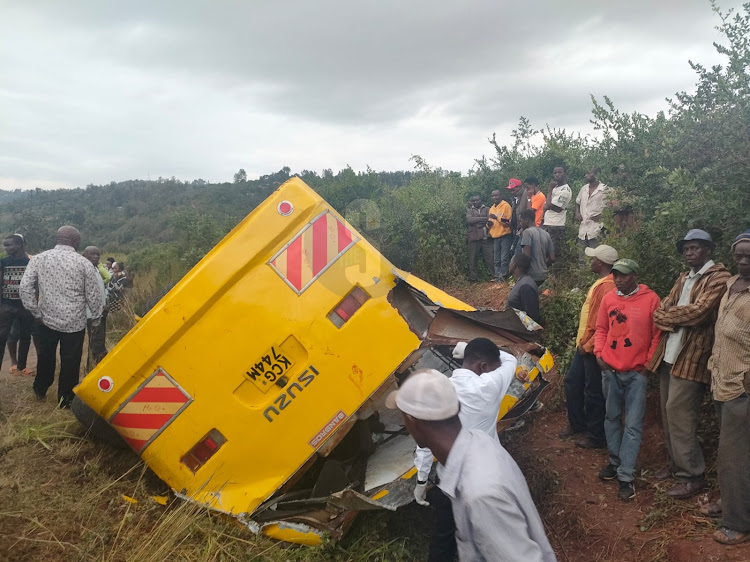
(579, 216)
(597, 218)
(582, 351)
(522, 374)
(603, 365)
(646, 372)
(493, 216)
(420, 493)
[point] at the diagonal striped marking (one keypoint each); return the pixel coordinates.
(345, 236)
(164, 394)
(312, 251)
(141, 421)
(320, 244)
(134, 433)
(294, 263)
(160, 381)
(151, 407)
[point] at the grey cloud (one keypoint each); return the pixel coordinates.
(94, 91)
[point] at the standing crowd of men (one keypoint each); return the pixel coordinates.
(530, 224)
(53, 298)
(695, 339)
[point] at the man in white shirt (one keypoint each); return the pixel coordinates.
(590, 204)
(556, 211)
(495, 517)
(66, 284)
(480, 385)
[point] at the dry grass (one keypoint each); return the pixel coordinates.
(63, 496)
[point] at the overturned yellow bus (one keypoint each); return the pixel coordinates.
(256, 386)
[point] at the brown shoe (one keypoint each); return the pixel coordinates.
(664, 474)
(684, 490)
(568, 432)
(588, 443)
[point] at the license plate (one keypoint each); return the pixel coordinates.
(269, 368)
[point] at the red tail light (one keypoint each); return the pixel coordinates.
(348, 306)
(203, 450)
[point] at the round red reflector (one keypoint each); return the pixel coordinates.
(285, 208)
(105, 384)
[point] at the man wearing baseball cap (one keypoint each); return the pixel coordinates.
(686, 318)
(583, 381)
(625, 340)
(495, 517)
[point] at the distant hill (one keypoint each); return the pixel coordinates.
(131, 215)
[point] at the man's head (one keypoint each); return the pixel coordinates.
(429, 404)
(515, 186)
(92, 254)
(559, 174)
(476, 201)
(519, 266)
(527, 218)
(481, 356)
(592, 174)
(531, 184)
(69, 236)
(110, 262)
(496, 197)
(625, 273)
(13, 246)
(696, 247)
(602, 258)
(741, 254)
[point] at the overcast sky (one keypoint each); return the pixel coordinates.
(100, 91)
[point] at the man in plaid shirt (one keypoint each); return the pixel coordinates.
(687, 317)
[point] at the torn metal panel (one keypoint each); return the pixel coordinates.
(391, 496)
(505, 320)
(450, 327)
(430, 292)
(389, 461)
(417, 312)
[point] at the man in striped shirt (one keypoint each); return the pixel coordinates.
(686, 318)
(730, 384)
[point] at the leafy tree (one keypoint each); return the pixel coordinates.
(240, 176)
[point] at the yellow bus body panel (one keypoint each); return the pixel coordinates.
(220, 320)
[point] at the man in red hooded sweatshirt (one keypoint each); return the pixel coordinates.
(626, 338)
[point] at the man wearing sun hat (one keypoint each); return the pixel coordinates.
(495, 517)
(686, 318)
(583, 381)
(626, 338)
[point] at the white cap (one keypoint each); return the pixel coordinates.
(605, 253)
(426, 395)
(458, 351)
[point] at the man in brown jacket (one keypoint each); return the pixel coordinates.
(687, 317)
(480, 243)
